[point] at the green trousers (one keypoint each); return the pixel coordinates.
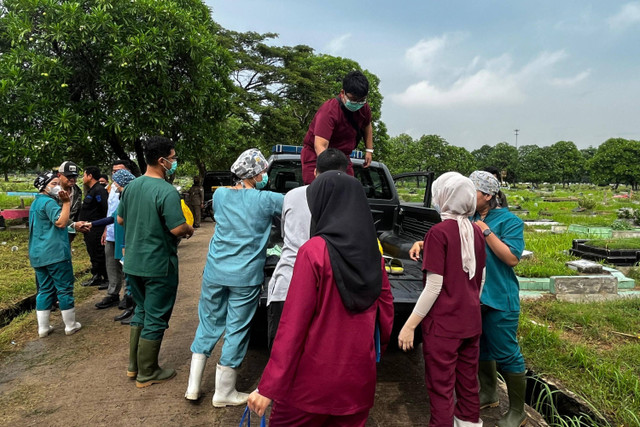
(154, 298)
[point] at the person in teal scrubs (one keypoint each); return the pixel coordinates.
(50, 253)
(233, 275)
(499, 348)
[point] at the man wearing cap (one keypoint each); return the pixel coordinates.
(94, 207)
(68, 175)
(152, 216)
(499, 348)
(340, 123)
(114, 267)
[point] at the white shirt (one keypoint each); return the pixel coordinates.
(296, 222)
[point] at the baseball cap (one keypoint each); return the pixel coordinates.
(69, 169)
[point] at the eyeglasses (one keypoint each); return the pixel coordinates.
(360, 101)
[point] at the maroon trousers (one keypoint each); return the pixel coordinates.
(451, 364)
(287, 416)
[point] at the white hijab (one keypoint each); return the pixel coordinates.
(455, 197)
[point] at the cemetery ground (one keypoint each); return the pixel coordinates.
(591, 349)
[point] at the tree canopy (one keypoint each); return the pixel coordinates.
(89, 79)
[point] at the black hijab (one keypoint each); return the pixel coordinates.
(341, 215)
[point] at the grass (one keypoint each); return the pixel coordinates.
(630, 243)
(549, 255)
(17, 278)
(583, 346)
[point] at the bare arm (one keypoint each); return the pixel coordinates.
(320, 144)
(500, 249)
(368, 143)
(183, 230)
(63, 219)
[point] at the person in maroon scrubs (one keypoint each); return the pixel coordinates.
(340, 123)
(449, 306)
(322, 369)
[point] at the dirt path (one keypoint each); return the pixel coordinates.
(80, 380)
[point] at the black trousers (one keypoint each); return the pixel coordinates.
(96, 251)
(274, 311)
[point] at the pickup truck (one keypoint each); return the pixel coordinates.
(398, 223)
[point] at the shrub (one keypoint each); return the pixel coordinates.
(586, 203)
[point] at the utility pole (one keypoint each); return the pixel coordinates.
(516, 132)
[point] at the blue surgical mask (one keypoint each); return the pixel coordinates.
(261, 184)
(172, 169)
(353, 106)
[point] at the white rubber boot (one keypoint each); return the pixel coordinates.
(44, 328)
(459, 423)
(198, 361)
(226, 393)
(69, 319)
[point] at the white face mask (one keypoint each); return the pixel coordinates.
(53, 191)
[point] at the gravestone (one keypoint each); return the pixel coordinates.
(584, 266)
(584, 288)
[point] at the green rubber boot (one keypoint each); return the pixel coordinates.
(488, 378)
(134, 336)
(516, 389)
(149, 372)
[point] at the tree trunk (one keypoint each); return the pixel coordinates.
(6, 176)
(202, 169)
(140, 156)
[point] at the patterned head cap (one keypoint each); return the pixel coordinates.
(43, 179)
(123, 177)
(249, 164)
(485, 182)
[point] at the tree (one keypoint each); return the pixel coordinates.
(616, 162)
(482, 156)
(399, 157)
(82, 76)
(535, 164)
(505, 157)
(568, 162)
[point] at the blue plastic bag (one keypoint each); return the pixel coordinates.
(247, 415)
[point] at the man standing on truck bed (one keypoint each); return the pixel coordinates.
(340, 123)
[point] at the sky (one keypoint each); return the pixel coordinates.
(475, 71)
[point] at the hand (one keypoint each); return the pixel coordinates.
(64, 196)
(405, 338)
(189, 232)
(258, 403)
(416, 250)
(82, 226)
(367, 159)
(103, 238)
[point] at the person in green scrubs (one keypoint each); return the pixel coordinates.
(151, 214)
(50, 253)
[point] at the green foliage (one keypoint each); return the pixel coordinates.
(429, 153)
(615, 162)
(629, 243)
(580, 345)
(82, 76)
(587, 203)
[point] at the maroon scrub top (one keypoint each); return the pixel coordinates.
(456, 312)
(331, 124)
(323, 359)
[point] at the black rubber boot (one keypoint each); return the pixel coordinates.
(134, 337)
(149, 372)
(488, 378)
(516, 389)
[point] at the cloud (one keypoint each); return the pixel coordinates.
(571, 81)
(628, 15)
(493, 81)
(424, 52)
(337, 45)
(422, 56)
